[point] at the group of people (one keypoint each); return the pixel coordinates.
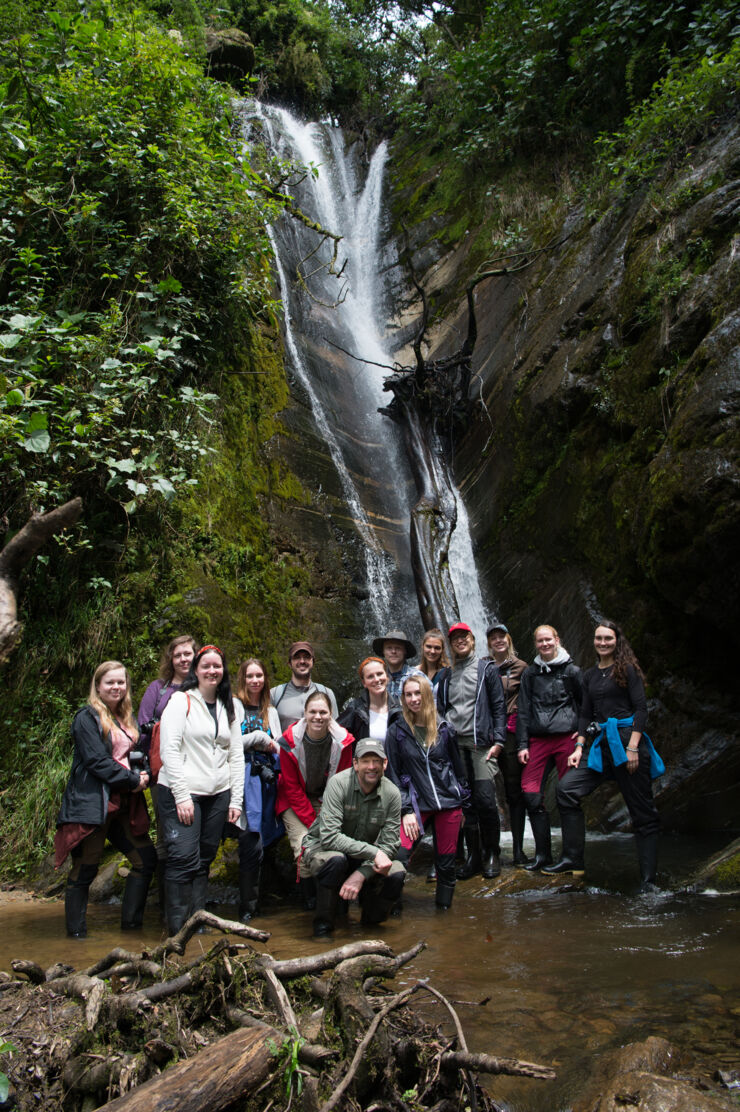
(418, 750)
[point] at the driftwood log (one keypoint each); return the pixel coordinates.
(246, 1029)
(212, 1080)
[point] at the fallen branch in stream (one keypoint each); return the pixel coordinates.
(153, 1031)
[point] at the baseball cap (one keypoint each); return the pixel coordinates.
(300, 647)
(459, 627)
(369, 747)
(494, 626)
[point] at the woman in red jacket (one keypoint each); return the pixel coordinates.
(311, 751)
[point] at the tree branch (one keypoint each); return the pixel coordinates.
(14, 557)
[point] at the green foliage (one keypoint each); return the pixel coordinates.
(726, 877)
(139, 368)
(684, 106)
(287, 1056)
(36, 762)
(527, 90)
(553, 73)
(130, 245)
(5, 1048)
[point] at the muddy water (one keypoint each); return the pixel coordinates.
(565, 975)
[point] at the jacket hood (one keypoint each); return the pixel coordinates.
(562, 657)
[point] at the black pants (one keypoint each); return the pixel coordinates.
(636, 788)
(251, 851)
(378, 893)
(191, 849)
(481, 810)
(511, 770)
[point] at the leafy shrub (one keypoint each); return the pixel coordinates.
(131, 246)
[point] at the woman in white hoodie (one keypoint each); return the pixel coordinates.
(201, 784)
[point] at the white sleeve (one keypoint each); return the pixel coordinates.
(236, 766)
(273, 721)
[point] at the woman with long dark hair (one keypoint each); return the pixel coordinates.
(202, 780)
(424, 763)
(174, 667)
(614, 713)
(104, 800)
(547, 717)
(260, 728)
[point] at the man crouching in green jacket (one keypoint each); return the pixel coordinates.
(351, 845)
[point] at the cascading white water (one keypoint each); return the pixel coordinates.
(334, 200)
(365, 447)
(465, 578)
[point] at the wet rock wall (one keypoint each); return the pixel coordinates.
(610, 374)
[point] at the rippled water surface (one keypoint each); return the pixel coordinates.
(564, 974)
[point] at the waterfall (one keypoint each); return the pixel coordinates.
(465, 578)
(345, 395)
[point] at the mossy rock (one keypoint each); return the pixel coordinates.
(722, 872)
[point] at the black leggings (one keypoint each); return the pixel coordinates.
(636, 788)
(191, 849)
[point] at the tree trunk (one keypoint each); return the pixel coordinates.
(17, 553)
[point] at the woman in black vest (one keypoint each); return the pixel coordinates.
(104, 800)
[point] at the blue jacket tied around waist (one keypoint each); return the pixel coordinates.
(610, 729)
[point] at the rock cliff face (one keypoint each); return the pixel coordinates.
(610, 373)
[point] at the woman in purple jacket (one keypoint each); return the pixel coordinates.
(173, 668)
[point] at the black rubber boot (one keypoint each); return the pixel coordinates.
(75, 901)
(517, 818)
(445, 880)
(162, 892)
(307, 887)
(472, 863)
(178, 900)
(573, 826)
(490, 855)
(647, 855)
(432, 873)
(200, 898)
(327, 902)
(134, 901)
(404, 856)
(540, 822)
(249, 890)
(377, 899)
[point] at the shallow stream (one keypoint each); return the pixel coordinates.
(565, 975)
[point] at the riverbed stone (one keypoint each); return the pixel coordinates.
(646, 1092)
(637, 1077)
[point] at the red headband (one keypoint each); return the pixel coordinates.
(370, 660)
(210, 649)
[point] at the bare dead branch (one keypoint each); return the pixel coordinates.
(329, 959)
(486, 1063)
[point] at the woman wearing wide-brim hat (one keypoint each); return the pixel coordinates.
(396, 649)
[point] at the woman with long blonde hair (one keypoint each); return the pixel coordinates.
(510, 669)
(424, 763)
(433, 656)
(104, 800)
(547, 717)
